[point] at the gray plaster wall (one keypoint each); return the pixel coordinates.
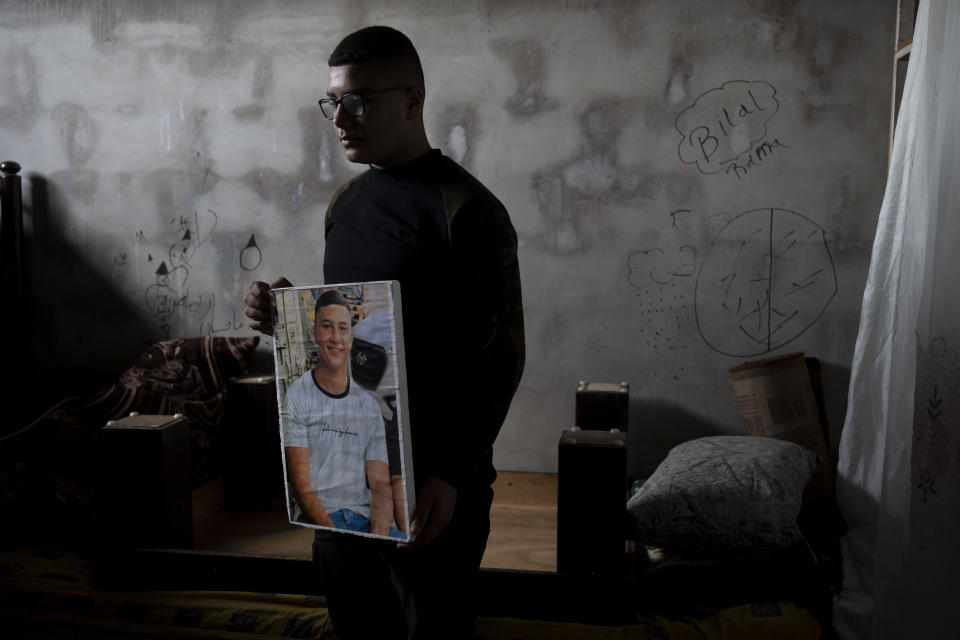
(694, 183)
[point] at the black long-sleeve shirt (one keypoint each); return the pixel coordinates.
(450, 243)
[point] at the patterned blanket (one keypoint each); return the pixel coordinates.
(49, 475)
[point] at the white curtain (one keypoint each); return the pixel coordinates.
(899, 463)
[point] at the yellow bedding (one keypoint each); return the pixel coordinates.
(47, 591)
(47, 587)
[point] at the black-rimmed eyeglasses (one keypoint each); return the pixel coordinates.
(352, 102)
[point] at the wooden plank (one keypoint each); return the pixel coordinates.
(522, 538)
(523, 522)
(520, 488)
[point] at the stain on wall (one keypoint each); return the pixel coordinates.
(683, 52)
(573, 194)
(527, 60)
(75, 131)
(263, 77)
(19, 106)
(249, 112)
(460, 131)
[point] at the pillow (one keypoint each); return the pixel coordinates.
(724, 493)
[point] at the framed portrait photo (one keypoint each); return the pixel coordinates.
(341, 390)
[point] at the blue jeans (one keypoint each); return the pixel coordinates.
(353, 521)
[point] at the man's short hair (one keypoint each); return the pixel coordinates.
(378, 44)
(329, 297)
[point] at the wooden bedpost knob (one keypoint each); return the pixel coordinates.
(9, 167)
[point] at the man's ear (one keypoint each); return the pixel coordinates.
(415, 98)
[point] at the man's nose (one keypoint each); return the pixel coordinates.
(340, 116)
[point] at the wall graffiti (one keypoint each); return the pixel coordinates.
(663, 323)
(677, 216)
(754, 158)
(662, 277)
(724, 130)
(162, 297)
(766, 279)
(251, 256)
(211, 322)
(170, 298)
(169, 293)
(662, 265)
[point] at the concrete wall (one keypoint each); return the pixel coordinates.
(653, 157)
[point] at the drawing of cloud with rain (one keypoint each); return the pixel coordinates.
(662, 265)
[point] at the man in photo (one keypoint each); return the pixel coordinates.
(334, 437)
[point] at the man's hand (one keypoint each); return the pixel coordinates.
(257, 303)
(435, 504)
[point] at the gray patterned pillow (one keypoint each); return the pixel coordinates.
(724, 493)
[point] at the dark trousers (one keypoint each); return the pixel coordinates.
(374, 590)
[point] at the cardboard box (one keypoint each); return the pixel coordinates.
(776, 399)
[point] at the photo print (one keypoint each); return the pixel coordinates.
(341, 389)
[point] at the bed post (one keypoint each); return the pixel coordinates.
(11, 236)
(11, 279)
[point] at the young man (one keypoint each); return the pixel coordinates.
(333, 435)
(418, 217)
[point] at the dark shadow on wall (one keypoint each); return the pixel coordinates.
(835, 380)
(656, 427)
(80, 332)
